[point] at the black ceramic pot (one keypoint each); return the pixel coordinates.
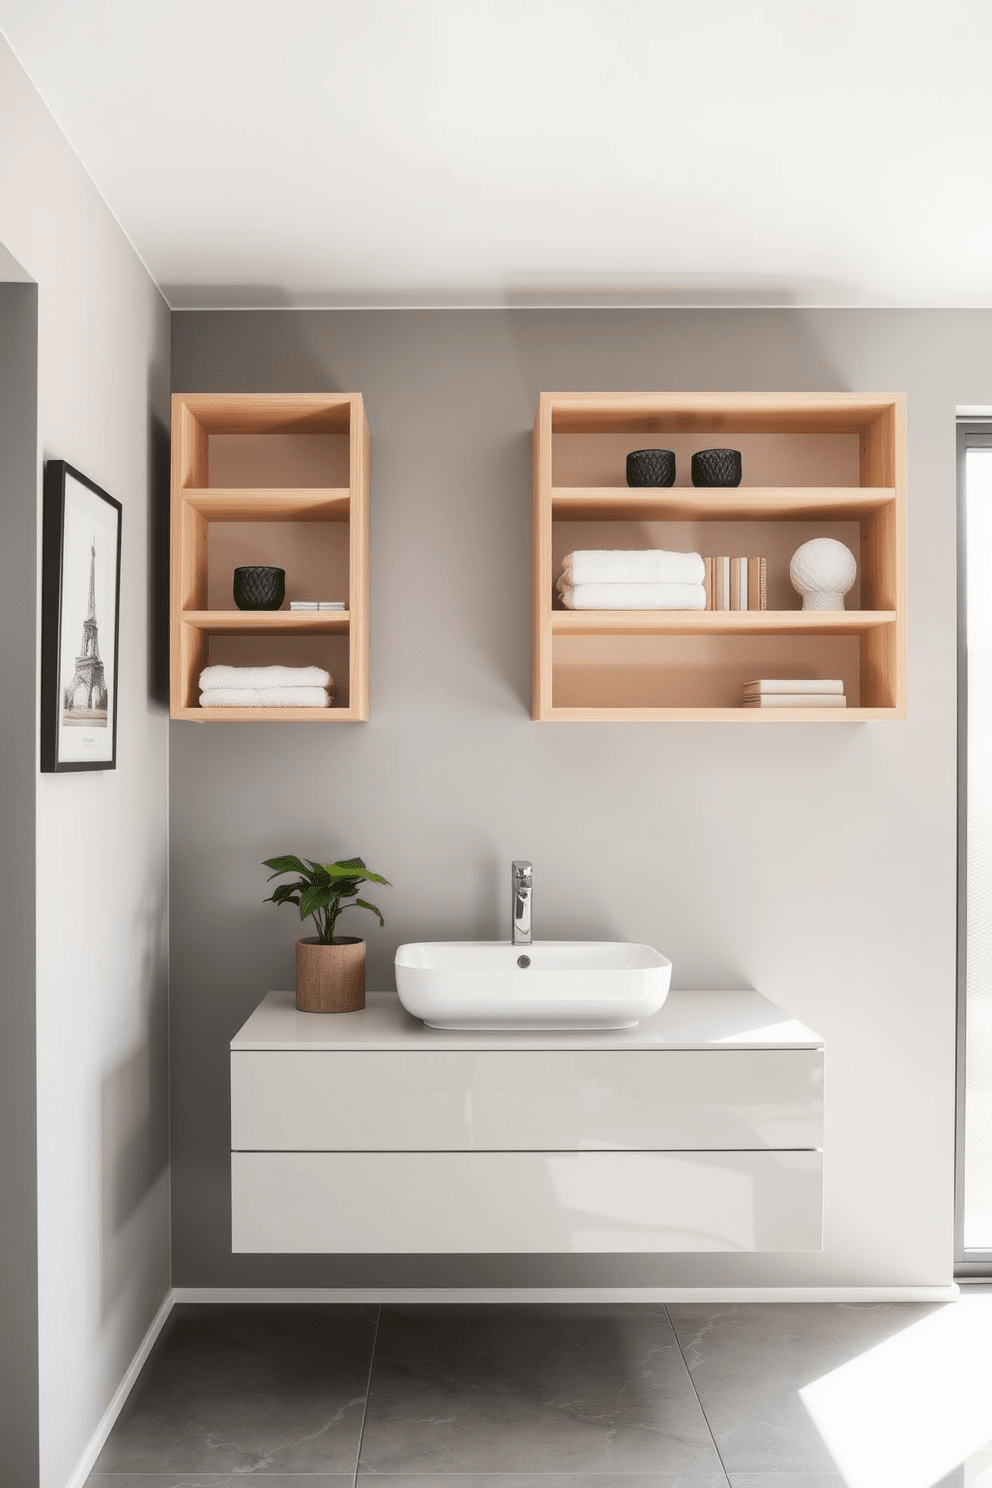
(651, 467)
(716, 467)
(259, 587)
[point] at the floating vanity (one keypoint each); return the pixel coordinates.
(700, 1129)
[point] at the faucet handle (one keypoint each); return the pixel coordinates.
(522, 869)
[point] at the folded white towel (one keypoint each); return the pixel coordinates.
(633, 597)
(265, 676)
(265, 697)
(633, 566)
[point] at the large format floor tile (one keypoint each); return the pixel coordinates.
(531, 1390)
(750, 1362)
(220, 1480)
(787, 1480)
(543, 1480)
(259, 1390)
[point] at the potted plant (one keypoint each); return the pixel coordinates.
(330, 969)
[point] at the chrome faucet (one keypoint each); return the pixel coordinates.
(522, 892)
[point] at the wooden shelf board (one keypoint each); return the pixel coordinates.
(293, 504)
(717, 622)
(270, 715)
(270, 413)
(725, 503)
(268, 622)
(718, 715)
(767, 413)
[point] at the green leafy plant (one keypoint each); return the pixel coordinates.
(322, 890)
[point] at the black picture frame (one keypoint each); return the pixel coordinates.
(80, 597)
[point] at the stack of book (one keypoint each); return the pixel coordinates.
(793, 692)
(736, 584)
(316, 604)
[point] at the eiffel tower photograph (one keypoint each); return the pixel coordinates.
(85, 699)
(80, 632)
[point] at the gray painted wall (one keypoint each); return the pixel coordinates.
(18, 719)
(100, 938)
(813, 862)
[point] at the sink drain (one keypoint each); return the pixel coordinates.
(523, 960)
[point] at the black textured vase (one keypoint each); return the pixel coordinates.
(716, 467)
(259, 587)
(651, 467)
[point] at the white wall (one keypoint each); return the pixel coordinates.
(103, 1195)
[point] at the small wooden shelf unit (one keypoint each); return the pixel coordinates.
(877, 504)
(196, 417)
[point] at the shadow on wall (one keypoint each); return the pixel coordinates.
(134, 1125)
(159, 456)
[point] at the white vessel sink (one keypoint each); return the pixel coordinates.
(550, 984)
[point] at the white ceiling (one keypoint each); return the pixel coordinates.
(491, 152)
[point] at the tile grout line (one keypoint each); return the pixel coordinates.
(692, 1382)
(368, 1391)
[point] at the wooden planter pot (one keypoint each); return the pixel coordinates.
(330, 978)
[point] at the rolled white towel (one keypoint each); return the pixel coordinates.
(264, 676)
(633, 566)
(633, 597)
(265, 697)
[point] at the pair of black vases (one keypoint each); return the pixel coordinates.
(710, 467)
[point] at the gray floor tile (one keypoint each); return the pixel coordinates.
(749, 1362)
(544, 1480)
(787, 1480)
(261, 1390)
(220, 1480)
(532, 1389)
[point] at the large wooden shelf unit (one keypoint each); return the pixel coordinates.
(197, 505)
(577, 644)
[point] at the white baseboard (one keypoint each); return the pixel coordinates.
(98, 1440)
(568, 1294)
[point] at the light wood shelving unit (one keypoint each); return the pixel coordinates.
(197, 505)
(868, 431)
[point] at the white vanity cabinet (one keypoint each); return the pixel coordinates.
(700, 1129)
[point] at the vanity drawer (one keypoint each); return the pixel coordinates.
(467, 1100)
(525, 1202)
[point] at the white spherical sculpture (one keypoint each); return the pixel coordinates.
(822, 571)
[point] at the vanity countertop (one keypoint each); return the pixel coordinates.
(688, 1020)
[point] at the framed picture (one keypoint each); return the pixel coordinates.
(80, 618)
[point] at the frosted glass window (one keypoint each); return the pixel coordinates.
(977, 1165)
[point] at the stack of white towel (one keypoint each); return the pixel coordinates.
(265, 687)
(645, 579)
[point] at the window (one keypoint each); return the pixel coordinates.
(974, 1126)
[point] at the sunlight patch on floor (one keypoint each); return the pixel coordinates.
(910, 1411)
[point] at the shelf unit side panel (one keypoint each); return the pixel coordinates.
(541, 701)
(193, 543)
(358, 657)
(187, 577)
(878, 450)
(190, 446)
(190, 654)
(880, 588)
(882, 682)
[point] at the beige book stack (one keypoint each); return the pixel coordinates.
(735, 583)
(793, 692)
